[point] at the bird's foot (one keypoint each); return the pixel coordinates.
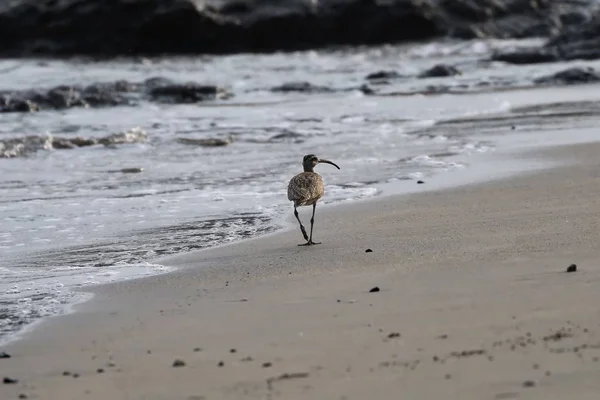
(309, 243)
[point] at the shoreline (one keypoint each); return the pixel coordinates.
(502, 168)
(451, 265)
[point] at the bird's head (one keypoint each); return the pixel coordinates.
(310, 161)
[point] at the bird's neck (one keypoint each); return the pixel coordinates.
(308, 169)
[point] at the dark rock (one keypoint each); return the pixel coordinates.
(303, 87)
(22, 396)
(66, 373)
(440, 70)
(572, 268)
(111, 94)
(368, 251)
(374, 290)
(100, 370)
(570, 76)
(178, 363)
(187, 93)
(267, 365)
(393, 335)
(9, 381)
(232, 350)
(4, 355)
(155, 27)
(381, 75)
(528, 384)
(420, 182)
(220, 364)
(75, 375)
(578, 39)
(197, 349)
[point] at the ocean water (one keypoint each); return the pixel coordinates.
(72, 217)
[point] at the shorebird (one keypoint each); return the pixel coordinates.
(305, 189)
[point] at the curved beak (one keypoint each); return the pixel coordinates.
(328, 162)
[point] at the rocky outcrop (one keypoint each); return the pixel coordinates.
(571, 76)
(575, 42)
(22, 146)
(108, 95)
(439, 71)
(134, 27)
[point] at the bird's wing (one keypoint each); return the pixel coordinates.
(298, 188)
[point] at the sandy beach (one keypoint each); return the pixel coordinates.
(473, 302)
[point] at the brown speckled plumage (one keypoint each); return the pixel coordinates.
(305, 189)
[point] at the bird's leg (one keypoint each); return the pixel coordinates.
(300, 222)
(312, 222)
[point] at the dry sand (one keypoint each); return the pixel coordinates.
(474, 303)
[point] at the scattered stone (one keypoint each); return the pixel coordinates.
(440, 70)
(197, 349)
(571, 76)
(148, 351)
(22, 396)
(232, 350)
(9, 381)
(66, 373)
(420, 182)
(100, 370)
(394, 335)
(221, 364)
(206, 142)
(381, 75)
(4, 355)
(286, 376)
(368, 251)
(467, 353)
(572, 268)
(528, 384)
(436, 359)
(178, 363)
(302, 87)
(374, 290)
(267, 365)
(75, 375)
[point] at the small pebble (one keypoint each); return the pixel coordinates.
(22, 396)
(66, 373)
(178, 363)
(420, 182)
(368, 251)
(149, 352)
(374, 290)
(221, 363)
(100, 370)
(393, 335)
(536, 366)
(4, 355)
(447, 376)
(9, 381)
(197, 349)
(572, 268)
(232, 350)
(75, 375)
(528, 384)
(267, 365)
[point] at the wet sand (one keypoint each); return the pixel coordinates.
(474, 302)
